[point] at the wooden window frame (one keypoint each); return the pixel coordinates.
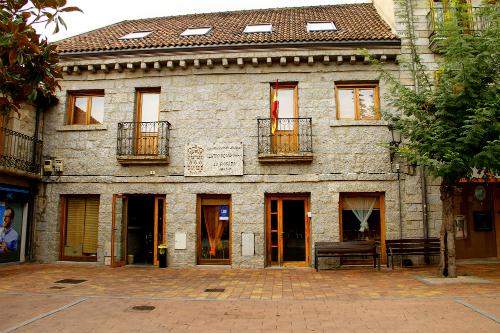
(381, 206)
(224, 199)
(71, 104)
(63, 210)
(356, 87)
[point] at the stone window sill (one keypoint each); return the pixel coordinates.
(147, 159)
(71, 128)
(345, 123)
(286, 158)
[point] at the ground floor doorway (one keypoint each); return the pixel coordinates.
(287, 230)
(477, 220)
(138, 228)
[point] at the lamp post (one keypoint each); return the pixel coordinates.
(396, 141)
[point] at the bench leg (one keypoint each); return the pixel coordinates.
(316, 262)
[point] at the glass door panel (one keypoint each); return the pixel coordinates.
(159, 221)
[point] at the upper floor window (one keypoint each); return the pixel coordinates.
(357, 101)
(86, 108)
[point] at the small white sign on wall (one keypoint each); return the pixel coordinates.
(180, 241)
(247, 244)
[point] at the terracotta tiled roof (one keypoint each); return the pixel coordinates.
(354, 22)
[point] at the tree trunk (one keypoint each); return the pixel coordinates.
(447, 265)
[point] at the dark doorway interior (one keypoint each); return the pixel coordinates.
(140, 229)
(294, 230)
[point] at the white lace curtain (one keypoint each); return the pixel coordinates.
(362, 208)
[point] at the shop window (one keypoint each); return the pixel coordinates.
(80, 227)
(357, 101)
(361, 217)
(86, 108)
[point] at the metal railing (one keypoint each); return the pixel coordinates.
(293, 135)
(143, 139)
(20, 151)
(470, 20)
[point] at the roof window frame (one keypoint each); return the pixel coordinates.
(136, 35)
(309, 23)
(258, 25)
(186, 34)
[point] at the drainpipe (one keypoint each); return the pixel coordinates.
(400, 205)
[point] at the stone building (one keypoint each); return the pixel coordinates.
(165, 134)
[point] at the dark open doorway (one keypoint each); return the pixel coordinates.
(294, 230)
(140, 229)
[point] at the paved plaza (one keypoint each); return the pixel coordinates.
(66, 297)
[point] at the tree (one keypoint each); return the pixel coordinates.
(452, 127)
(28, 64)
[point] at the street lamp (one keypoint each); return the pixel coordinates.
(396, 141)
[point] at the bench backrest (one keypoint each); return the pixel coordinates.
(413, 245)
(345, 247)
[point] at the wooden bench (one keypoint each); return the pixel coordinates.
(414, 246)
(346, 249)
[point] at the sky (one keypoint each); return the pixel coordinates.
(100, 13)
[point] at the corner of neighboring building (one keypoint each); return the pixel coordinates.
(385, 8)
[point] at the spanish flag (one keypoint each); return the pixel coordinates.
(274, 110)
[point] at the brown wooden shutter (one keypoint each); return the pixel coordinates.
(75, 223)
(91, 223)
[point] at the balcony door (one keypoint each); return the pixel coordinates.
(285, 139)
(147, 117)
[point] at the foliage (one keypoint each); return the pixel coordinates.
(453, 126)
(28, 64)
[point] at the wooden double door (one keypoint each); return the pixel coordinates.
(287, 230)
(138, 227)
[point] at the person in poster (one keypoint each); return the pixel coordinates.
(8, 236)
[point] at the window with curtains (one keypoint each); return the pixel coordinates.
(214, 230)
(81, 227)
(86, 108)
(361, 218)
(357, 101)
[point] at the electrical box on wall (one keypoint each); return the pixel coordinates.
(48, 166)
(58, 165)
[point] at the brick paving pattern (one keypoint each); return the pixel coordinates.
(253, 300)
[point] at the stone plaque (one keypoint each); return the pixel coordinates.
(180, 241)
(247, 244)
(214, 159)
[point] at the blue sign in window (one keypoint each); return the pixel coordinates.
(223, 212)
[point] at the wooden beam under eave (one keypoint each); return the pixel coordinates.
(104, 68)
(366, 60)
(182, 64)
(225, 63)
(255, 62)
(352, 60)
(210, 63)
(283, 61)
(296, 60)
(91, 68)
(340, 60)
(170, 65)
(76, 70)
(157, 65)
(326, 60)
(144, 66)
(118, 68)
(269, 61)
(310, 60)
(196, 63)
(130, 66)
(383, 58)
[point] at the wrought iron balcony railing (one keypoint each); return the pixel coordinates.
(143, 139)
(292, 136)
(469, 20)
(20, 151)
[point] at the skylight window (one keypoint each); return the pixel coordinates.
(320, 26)
(136, 35)
(251, 28)
(196, 31)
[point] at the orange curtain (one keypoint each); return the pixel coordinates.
(215, 227)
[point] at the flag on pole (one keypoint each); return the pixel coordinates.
(274, 110)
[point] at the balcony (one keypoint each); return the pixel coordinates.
(292, 141)
(143, 143)
(470, 20)
(20, 154)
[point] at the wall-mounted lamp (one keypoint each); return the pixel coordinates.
(396, 141)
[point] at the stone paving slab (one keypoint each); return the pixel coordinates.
(253, 300)
(115, 315)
